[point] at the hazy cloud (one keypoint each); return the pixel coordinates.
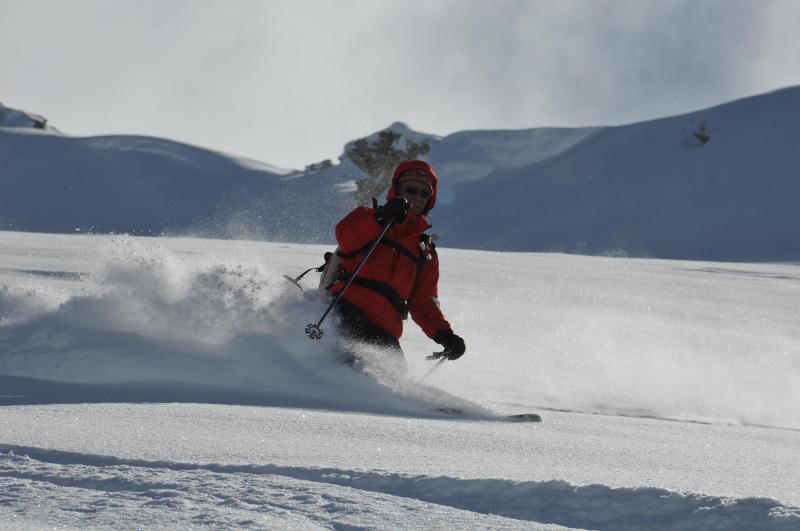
(289, 82)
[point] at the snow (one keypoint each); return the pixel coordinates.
(648, 189)
(505, 470)
(167, 382)
(123, 183)
(472, 155)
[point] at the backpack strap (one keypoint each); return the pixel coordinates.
(426, 247)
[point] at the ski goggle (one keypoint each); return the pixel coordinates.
(413, 191)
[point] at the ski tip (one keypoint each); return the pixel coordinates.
(451, 411)
(461, 414)
(524, 417)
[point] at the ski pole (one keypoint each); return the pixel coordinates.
(313, 330)
(436, 355)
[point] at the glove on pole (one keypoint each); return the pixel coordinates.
(454, 346)
(313, 330)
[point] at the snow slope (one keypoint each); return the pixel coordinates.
(260, 427)
(648, 189)
(116, 183)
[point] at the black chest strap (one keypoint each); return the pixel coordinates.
(387, 291)
(419, 260)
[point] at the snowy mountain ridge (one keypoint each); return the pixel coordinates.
(713, 184)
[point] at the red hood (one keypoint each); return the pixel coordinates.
(414, 165)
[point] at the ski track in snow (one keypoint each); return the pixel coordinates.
(80, 490)
(256, 496)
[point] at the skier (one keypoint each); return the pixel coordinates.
(402, 274)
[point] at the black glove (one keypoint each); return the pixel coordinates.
(397, 208)
(454, 346)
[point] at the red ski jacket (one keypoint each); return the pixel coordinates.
(401, 274)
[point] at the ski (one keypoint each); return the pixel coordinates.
(524, 417)
(519, 417)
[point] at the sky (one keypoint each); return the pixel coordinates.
(290, 82)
